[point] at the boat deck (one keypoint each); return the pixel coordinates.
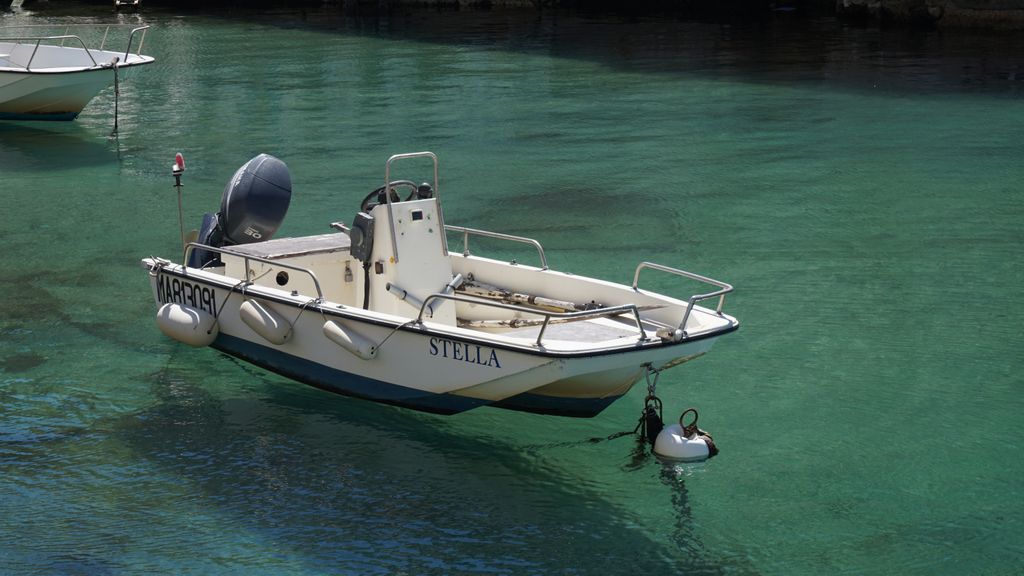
(292, 247)
(583, 331)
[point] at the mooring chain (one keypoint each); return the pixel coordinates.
(650, 422)
(117, 92)
(651, 385)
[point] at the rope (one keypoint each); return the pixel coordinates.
(392, 333)
(160, 264)
(255, 278)
(216, 317)
(302, 308)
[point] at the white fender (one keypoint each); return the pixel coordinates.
(350, 340)
(265, 321)
(673, 445)
(186, 324)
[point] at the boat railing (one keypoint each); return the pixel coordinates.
(66, 37)
(724, 288)
(548, 316)
(247, 258)
(37, 40)
(466, 232)
(131, 37)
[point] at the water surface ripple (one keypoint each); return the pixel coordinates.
(860, 187)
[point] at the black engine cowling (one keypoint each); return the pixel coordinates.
(252, 208)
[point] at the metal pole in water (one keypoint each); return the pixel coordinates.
(177, 170)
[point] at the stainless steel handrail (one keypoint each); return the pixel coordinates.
(725, 288)
(548, 316)
(40, 39)
(64, 37)
(131, 37)
(192, 245)
(387, 197)
(467, 231)
(76, 26)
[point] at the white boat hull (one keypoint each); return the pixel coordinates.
(427, 367)
(58, 85)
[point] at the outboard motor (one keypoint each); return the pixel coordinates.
(252, 208)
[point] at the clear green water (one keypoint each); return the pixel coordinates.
(860, 188)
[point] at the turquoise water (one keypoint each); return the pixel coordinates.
(861, 188)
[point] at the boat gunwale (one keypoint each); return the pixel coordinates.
(159, 266)
(117, 62)
(68, 69)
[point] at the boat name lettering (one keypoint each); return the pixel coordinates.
(471, 353)
(170, 289)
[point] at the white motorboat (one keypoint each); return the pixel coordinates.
(382, 309)
(55, 77)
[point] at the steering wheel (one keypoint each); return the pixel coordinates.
(377, 196)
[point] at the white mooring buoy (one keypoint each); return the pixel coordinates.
(684, 443)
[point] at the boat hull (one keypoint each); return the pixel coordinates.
(432, 368)
(36, 96)
(56, 93)
(341, 382)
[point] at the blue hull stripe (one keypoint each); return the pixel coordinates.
(339, 382)
(57, 117)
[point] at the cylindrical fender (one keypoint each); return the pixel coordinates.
(350, 340)
(265, 321)
(187, 324)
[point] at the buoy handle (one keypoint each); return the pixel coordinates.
(691, 428)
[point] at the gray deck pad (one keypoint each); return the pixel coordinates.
(287, 247)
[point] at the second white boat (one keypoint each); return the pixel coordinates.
(55, 77)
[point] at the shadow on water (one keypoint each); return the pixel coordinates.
(21, 362)
(36, 307)
(355, 486)
(32, 146)
(780, 50)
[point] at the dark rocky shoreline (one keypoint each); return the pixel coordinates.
(986, 14)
